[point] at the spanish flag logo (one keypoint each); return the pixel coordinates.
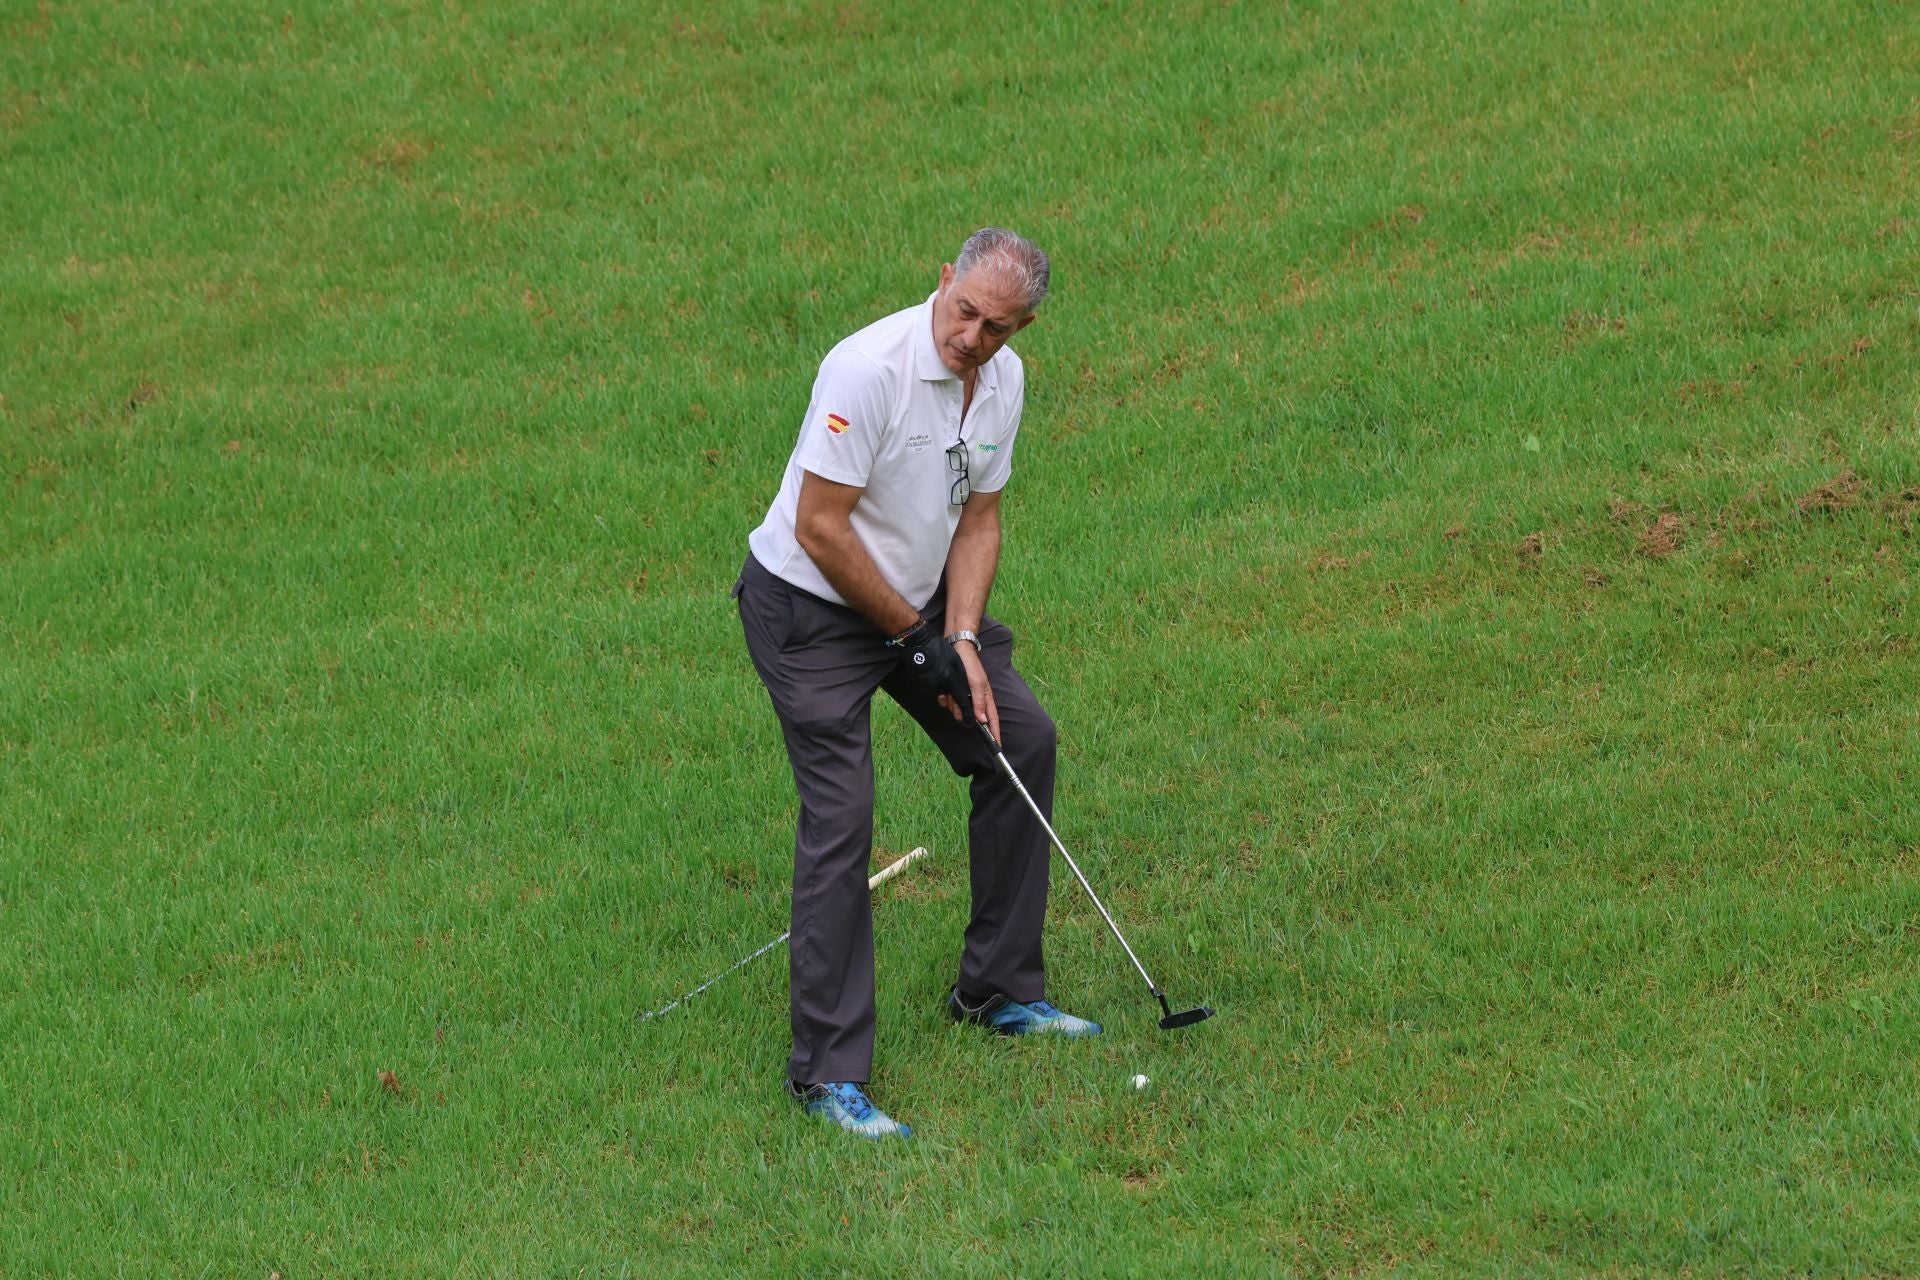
(836, 424)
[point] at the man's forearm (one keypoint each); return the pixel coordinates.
(972, 561)
(843, 560)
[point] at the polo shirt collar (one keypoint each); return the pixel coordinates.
(926, 361)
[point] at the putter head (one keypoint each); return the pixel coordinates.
(1186, 1018)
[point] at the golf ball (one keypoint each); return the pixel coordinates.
(1139, 1082)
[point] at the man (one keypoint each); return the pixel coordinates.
(871, 571)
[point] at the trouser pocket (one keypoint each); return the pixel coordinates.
(766, 612)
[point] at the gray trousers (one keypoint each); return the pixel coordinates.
(821, 663)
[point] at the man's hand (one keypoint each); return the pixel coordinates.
(929, 658)
(971, 562)
(978, 689)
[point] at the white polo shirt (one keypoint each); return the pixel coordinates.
(883, 414)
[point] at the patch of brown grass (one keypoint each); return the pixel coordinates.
(1578, 324)
(1903, 506)
(1325, 561)
(1709, 391)
(1537, 244)
(1842, 493)
(1663, 537)
(396, 156)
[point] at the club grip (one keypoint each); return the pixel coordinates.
(894, 868)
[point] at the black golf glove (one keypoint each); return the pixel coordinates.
(929, 658)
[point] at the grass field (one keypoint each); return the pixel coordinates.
(1464, 528)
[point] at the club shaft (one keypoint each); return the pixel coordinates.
(740, 964)
(1001, 758)
(874, 881)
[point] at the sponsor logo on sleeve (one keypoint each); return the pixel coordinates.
(836, 424)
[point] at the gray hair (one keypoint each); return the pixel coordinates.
(1019, 259)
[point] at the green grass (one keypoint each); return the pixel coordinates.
(1464, 530)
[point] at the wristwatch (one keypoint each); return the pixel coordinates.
(968, 636)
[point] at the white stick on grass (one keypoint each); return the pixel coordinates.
(874, 881)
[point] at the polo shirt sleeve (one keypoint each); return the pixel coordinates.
(846, 419)
(999, 468)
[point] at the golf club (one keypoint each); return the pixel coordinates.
(878, 878)
(1186, 1017)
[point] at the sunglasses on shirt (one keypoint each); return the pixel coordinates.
(957, 461)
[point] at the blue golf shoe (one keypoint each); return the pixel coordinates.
(845, 1104)
(1010, 1017)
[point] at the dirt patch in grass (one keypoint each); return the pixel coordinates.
(1326, 561)
(1663, 537)
(1842, 493)
(1579, 324)
(396, 156)
(1707, 391)
(1655, 535)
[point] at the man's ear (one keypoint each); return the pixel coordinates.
(1025, 320)
(946, 274)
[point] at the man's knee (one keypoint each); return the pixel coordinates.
(1032, 745)
(832, 762)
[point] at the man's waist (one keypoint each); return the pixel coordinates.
(757, 574)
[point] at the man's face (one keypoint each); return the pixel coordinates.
(974, 315)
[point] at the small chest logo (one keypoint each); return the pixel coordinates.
(989, 448)
(836, 424)
(918, 442)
